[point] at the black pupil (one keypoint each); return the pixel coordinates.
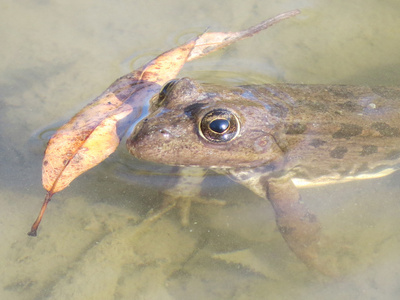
(219, 125)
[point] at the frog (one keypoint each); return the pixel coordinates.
(273, 139)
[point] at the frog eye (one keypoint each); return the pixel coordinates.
(164, 91)
(219, 125)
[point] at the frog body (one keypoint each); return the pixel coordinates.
(272, 138)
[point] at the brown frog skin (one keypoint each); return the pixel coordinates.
(270, 137)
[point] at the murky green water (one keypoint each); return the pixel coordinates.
(58, 55)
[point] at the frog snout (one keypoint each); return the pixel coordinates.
(145, 134)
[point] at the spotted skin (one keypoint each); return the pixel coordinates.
(289, 135)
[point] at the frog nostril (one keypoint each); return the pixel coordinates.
(165, 133)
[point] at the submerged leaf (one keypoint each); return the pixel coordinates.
(95, 132)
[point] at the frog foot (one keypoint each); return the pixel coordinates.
(184, 203)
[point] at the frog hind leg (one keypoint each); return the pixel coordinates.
(298, 226)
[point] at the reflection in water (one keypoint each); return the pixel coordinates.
(90, 245)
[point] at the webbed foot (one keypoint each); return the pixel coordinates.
(184, 204)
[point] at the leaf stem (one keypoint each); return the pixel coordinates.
(35, 225)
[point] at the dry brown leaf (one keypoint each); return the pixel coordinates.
(95, 132)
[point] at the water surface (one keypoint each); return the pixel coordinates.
(57, 56)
